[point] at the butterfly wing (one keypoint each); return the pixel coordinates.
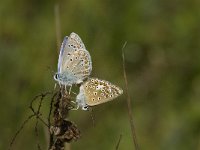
(69, 46)
(75, 41)
(100, 91)
(62, 49)
(78, 66)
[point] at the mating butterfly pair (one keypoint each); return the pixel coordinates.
(75, 66)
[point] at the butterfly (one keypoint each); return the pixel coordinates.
(95, 91)
(74, 62)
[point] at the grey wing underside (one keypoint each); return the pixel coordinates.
(62, 49)
(75, 41)
(69, 45)
(78, 65)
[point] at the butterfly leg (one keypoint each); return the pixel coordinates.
(70, 89)
(77, 106)
(59, 84)
(55, 86)
(74, 93)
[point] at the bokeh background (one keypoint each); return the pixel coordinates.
(162, 64)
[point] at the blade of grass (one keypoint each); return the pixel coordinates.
(58, 26)
(129, 103)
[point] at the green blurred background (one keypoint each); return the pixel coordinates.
(162, 62)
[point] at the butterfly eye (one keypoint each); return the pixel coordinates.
(85, 108)
(56, 76)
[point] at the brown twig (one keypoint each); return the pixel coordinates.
(117, 146)
(37, 117)
(129, 102)
(37, 114)
(39, 95)
(20, 129)
(62, 130)
(37, 134)
(51, 141)
(51, 107)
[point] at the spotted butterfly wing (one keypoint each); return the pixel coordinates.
(69, 45)
(78, 66)
(95, 91)
(74, 64)
(75, 41)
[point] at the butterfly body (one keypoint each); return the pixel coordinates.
(95, 91)
(74, 63)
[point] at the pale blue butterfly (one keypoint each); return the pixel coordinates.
(95, 91)
(74, 63)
